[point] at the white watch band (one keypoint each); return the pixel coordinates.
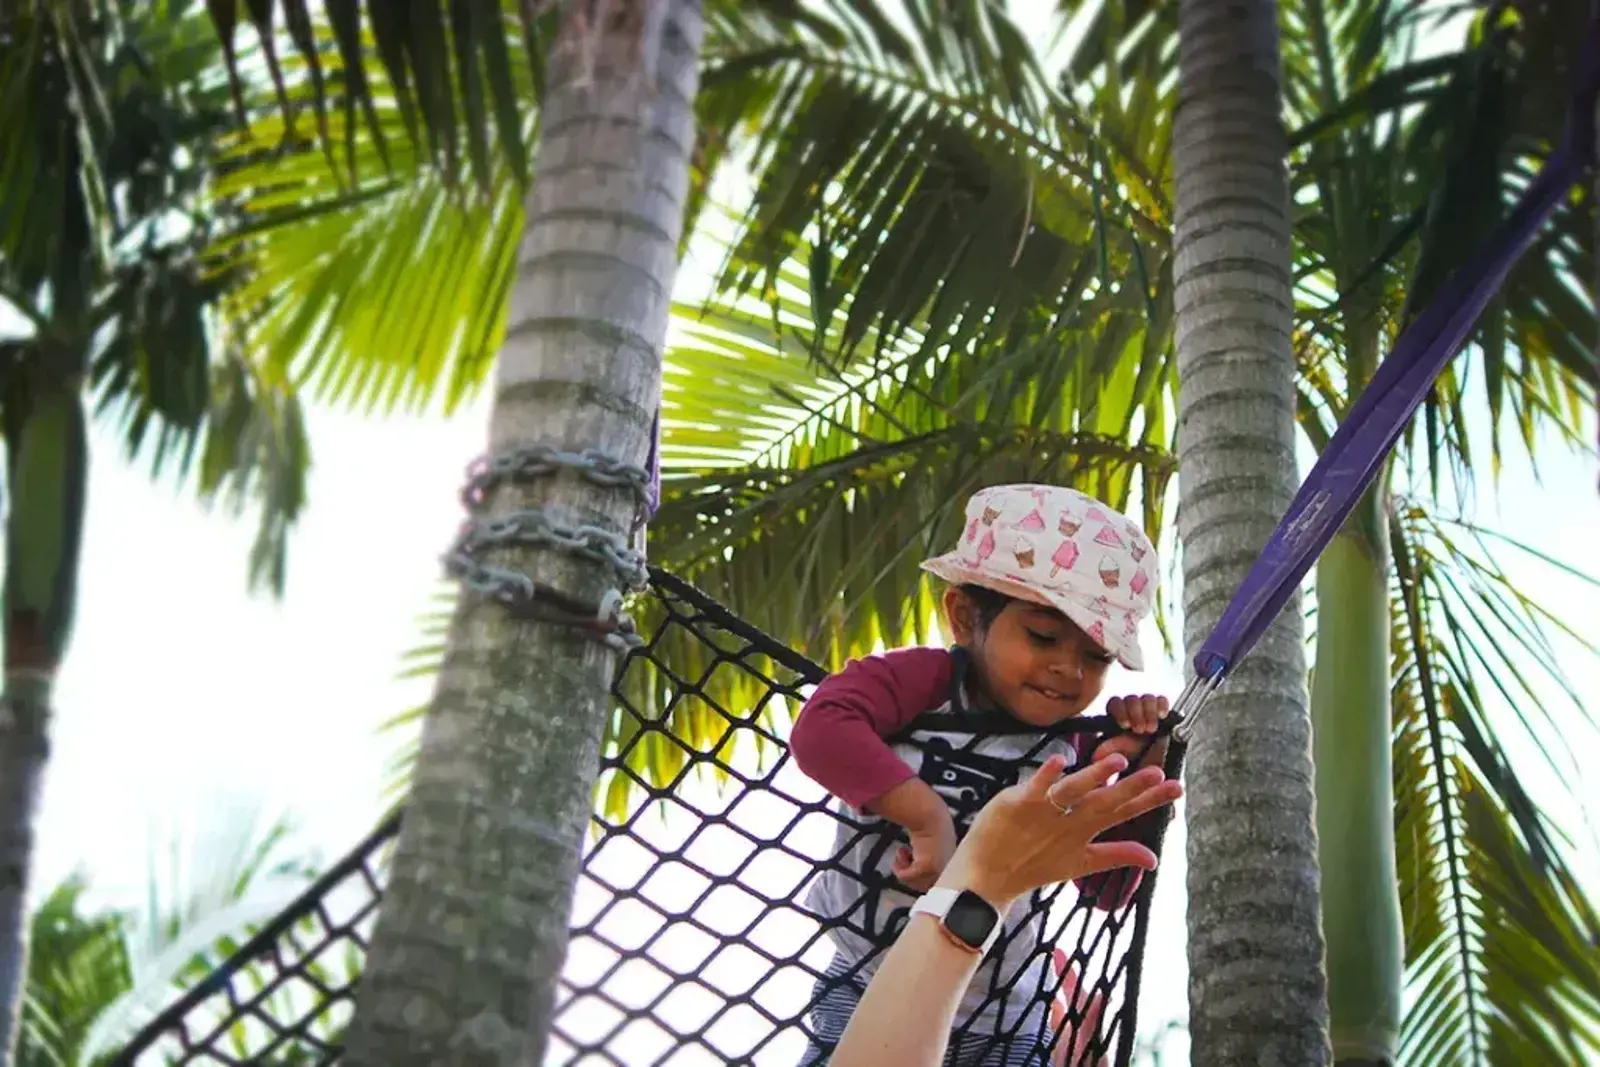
(937, 902)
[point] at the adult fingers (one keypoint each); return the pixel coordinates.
(1106, 802)
(1130, 798)
(1075, 787)
(1155, 794)
(1106, 855)
(1048, 774)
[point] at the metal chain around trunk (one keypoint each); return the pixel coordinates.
(535, 527)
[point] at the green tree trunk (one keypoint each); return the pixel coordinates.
(1355, 796)
(1257, 992)
(471, 937)
(1352, 720)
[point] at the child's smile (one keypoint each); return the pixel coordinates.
(1035, 662)
(1054, 694)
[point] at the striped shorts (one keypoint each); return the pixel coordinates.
(834, 1001)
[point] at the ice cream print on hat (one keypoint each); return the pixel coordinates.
(1058, 547)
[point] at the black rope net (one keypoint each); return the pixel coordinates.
(694, 938)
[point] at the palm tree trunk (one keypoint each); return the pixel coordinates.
(47, 464)
(1355, 795)
(1353, 747)
(470, 941)
(24, 748)
(1257, 993)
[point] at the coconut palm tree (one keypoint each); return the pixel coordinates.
(485, 865)
(484, 870)
(1256, 980)
(106, 133)
(957, 267)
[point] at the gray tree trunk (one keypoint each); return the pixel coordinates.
(24, 750)
(1257, 991)
(471, 937)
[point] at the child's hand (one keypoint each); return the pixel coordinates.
(932, 845)
(1140, 716)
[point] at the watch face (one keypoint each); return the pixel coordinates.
(971, 918)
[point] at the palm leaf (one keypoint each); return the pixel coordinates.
(77, 964)
(459, 73)
(1500, 957)
(107, 205)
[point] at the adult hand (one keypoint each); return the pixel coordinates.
(1043, 831)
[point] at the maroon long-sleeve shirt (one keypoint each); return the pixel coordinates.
(839, 738)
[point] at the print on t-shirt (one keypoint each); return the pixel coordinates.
(964, 779)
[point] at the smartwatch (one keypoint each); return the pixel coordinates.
(968, 921)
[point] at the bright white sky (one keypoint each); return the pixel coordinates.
(183, 698)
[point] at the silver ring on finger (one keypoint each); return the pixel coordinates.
(1065, 809)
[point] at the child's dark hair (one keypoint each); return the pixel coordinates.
(988, 602)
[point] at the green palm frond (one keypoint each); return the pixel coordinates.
(394, 297)
(210, 885)
(805, 476)
(954, 189)
(94, 974)
(77, 964)
(1500, 936)
(379, 282)
(458, 76)
(108, 144)
(450, 75)
(1391, 206)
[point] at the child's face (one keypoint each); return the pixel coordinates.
(1032, 659)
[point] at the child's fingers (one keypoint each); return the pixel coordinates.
(1139, 714)
(1074, 1017)
(1149, 715)
(1063, 1045)
(906, 867)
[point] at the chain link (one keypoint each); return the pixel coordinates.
(534, 528)
(530, 461)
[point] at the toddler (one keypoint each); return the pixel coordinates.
(1047, 589)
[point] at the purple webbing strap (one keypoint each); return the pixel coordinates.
(1352, 458)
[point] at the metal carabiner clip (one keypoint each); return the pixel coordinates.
(1191, 700)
